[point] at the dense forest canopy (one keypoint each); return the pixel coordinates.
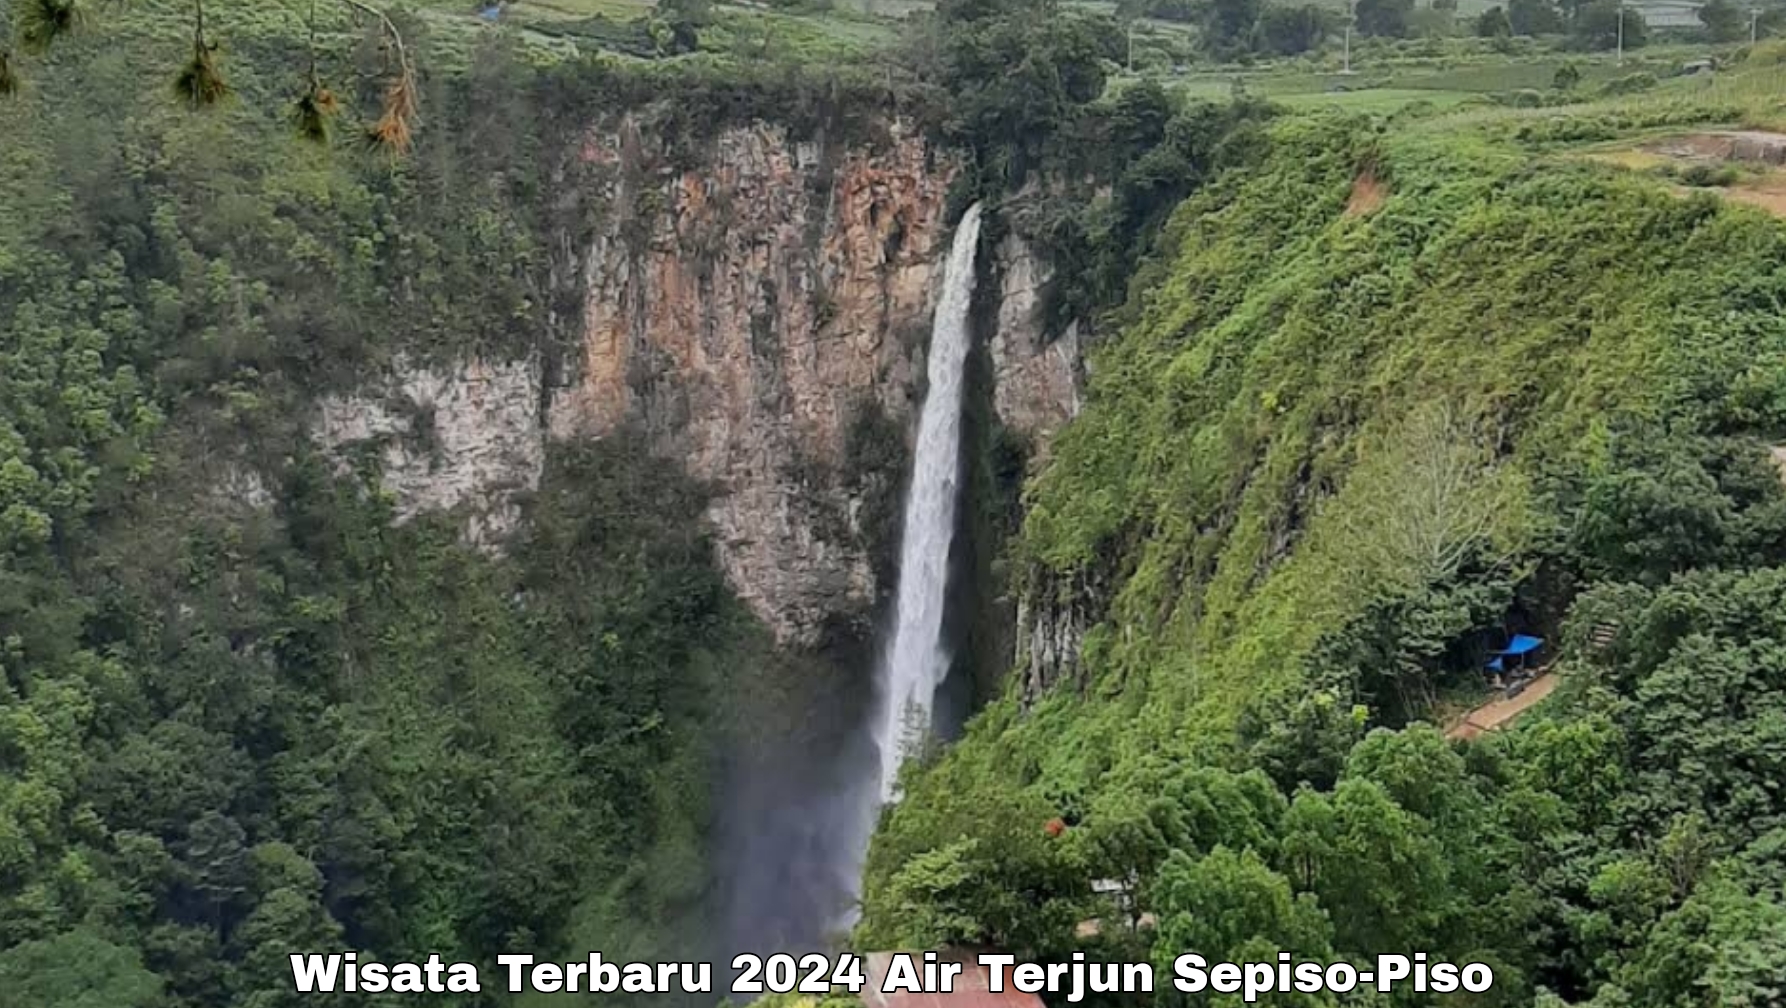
(244, 713)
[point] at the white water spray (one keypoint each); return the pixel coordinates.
(916, 660)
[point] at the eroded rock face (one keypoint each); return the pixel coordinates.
(467, 436)
(1036, 377)
(746, 314)
(1052, 621)
(759, 318)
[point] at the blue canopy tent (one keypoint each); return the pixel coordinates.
(1523, 645)
(1519, 649)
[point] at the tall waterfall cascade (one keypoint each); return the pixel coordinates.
(916, 658)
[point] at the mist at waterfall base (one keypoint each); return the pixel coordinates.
(798, 807)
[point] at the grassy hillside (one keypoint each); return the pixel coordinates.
(1377, 404)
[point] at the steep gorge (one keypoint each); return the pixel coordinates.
(484, 549)
(758, 317)
(474, 550)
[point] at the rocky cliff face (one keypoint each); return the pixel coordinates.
(744, 315)
(464, 437)
(759, 317)
(1052, 621)
(1036, 378)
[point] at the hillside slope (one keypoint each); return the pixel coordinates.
(313, 634)
(1376, 406)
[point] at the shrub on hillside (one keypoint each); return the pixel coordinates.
(1629, 84)
(1608, 125)
(1769, 52)
(1710, 175)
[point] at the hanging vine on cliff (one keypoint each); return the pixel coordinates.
(37, 25)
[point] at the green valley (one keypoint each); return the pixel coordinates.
(460, 490)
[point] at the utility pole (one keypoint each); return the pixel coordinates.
(1350, 17)
(1754, 15)
(1621, 56)
(1131, 45)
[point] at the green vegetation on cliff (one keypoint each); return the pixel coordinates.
(1375, 401)
(1380, 401)
(243, 712)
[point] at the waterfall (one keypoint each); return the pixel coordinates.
(916, 660)
(796, 875)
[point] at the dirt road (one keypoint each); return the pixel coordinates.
(1490, 716)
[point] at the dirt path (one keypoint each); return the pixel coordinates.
(1768, 193)
(1490, 716)
(1762, 155)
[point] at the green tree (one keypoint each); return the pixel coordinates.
(1493, 23)
(1665, 504)
(1723, 946)
(980, 866)
(934, 901)
(1228, 25)
(1021, 73)
(1534, 17)
(288, 917)
(1432, 22)
(1417, 768)
(76, 969)
(1383, 18)
(1376, 868)
(1306, 744)
(1137, 119)
(685, 19)
(1596, 26)
(1723, 20)
(1289, 31)
(1230, 906)
(1584, 761)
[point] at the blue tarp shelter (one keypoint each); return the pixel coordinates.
(1518, 648)
(1521, 644)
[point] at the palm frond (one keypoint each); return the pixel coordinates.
(201, 84)
(313, 112)
(394, 130)
(39, 23)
